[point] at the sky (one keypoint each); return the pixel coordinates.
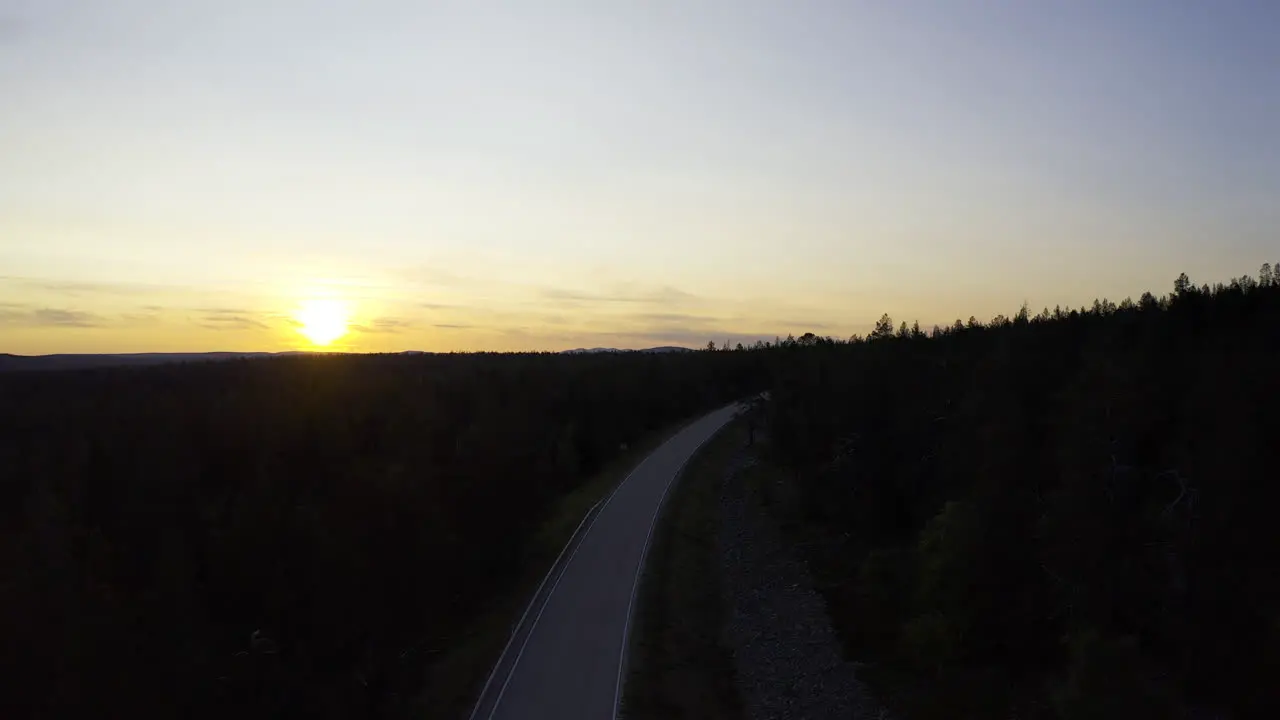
(549, 174)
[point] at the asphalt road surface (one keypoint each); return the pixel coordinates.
(566, 657)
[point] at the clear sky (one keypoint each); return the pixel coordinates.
(208, 174)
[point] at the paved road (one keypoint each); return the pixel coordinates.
(566, 656)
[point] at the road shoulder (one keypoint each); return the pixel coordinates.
(455, 680)
(678, 666)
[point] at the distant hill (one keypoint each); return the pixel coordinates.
(662, 349)
(14, 363)
(21, 363)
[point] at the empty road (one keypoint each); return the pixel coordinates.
(566, 656)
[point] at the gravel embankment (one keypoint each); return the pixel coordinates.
(786, 655)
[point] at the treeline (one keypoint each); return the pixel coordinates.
(293, 537)
(1072, 514)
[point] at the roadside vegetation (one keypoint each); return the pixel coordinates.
(679, 666)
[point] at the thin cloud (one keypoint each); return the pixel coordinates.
(664, 295)
(67, 318)
(689, 337)
(227, 319)
(144, 318)
(799, 327)
(25, 316)
(681, 319)
(224, 311)
(78, 288)
(687, 322)
(388, 325)
(570, 295)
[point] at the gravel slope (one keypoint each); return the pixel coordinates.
(786, 655)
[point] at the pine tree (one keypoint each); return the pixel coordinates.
(884, 328)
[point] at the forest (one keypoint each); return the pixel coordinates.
(1066, 514)
(1069, 514)
(293, 536)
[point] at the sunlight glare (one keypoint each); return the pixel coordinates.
(322, 321)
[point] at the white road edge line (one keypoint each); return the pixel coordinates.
(510, 672)
(515, 630)
(644, 552)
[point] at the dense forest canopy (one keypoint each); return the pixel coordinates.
(1068, 514)
(293, 535)
(1061, 514)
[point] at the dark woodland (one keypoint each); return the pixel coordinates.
(297, 536)
(1069, 514)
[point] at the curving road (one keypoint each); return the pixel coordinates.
(566, 656)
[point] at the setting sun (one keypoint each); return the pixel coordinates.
(323, 321)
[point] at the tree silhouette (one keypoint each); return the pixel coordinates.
(883, 328)
(1183, 285)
